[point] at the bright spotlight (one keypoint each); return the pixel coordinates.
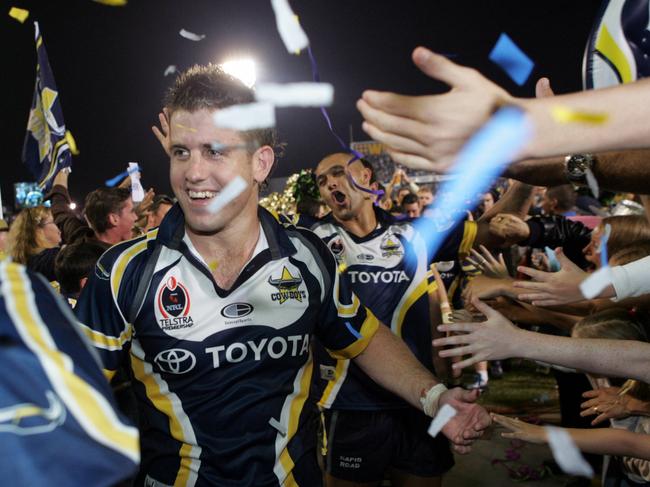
(243, 69)
(73, 205)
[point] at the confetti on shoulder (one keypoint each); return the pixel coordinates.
(191, 35)
(112, 3)
(171, 69)
(20, 14)
(566, 115)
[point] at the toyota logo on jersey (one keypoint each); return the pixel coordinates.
(175, 361)
(173, 305)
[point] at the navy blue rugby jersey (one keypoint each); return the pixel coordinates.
(222, 377)
(58, 419)
(395, 288)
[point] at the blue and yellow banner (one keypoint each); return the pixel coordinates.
(47, 147)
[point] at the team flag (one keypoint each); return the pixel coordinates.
(47, 147)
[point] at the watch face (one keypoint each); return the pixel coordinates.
(577, 165)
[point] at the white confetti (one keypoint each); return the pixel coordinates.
(443, 416)
(249, 116)
(278, 426)
(191, 35)
(227, 194)
(292, 35)
(171, 69)
(593, 285)
(137, 191)
(566, 454)
(296, 94)
(592, 183)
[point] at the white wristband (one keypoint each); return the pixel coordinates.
(430, 400)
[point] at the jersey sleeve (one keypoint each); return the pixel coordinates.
(345, 326)
(100, 314)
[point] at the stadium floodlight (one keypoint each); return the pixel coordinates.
(243, 69)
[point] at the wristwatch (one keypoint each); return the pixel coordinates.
(576, 167)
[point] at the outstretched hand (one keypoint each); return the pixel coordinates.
(470, 420)
(520, 430)
(488, 265)
(552, 288)
(605, 403)
(493, 339)
(427, 132)
(162, 133)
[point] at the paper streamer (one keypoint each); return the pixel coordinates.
(112, 3)
(291, 33)
(20, 14)
(566, 454)
(116, 180)
(137, 191)
(171, 69)
(227, 194)
(597, 281)
(602, 248)
(295, 94)
(511, 59)
(592, 183)
(248, 116)
(443, 416)
(191, 35)
(566, 115)
(480, 161)
(554, 264)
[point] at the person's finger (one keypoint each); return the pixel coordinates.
(600, 418)
(486, 309)
(468, 361)
(503, 420)
(468, 395)
(534, 273)
(409, 134)
(592, 393)
(466, 327)
(533, 285)
(565, 262)
(391, 139)
(462, 450)
(511, 435)
(543, 88)
(442, 69)
(458, 351)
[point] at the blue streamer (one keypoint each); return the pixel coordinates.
(604, 258)
(553, 263)
(480, 161)
(116, 180)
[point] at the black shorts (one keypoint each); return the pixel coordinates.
(361, 446)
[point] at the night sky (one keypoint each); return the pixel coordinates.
(108, 63)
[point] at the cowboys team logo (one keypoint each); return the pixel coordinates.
(391, 246)
(336, 246)
(173, 305)
(287, 286)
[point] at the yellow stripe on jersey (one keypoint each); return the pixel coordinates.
(329, 395)
(295, 409)
(368, 330)
(160, 397)
(348, 310)
(123, 261)
(93, 412)
(469, 236)
(107, 342)
(417, 293)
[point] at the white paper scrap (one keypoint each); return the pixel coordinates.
(593, 285)
(296, 94)
(171, 69)
(292, 35)
(227, 194)
(443, 416)
(137, 191)
(191, 35)
(249, 116)
(278, 426)
(566, 454)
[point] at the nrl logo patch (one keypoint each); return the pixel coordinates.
(287, 286)
(173, 305)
